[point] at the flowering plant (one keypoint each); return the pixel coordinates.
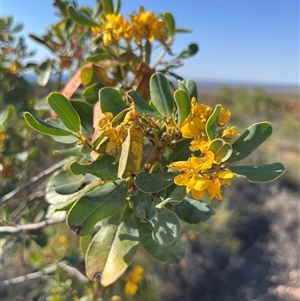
(148, 154)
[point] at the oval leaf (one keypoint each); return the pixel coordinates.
(183, 103)
(81, 17)
(60, 201)
(191, 87)
(111, 101)
(259, 173)
(166, 227)
(44, 72)
(154, 182)
(65, 111)
(112, 250)
(97, 204)
(192, 211)
(170, 21)
(142, 107)
(211, 123)
(176, 196)
(104, 167)
(161, 94)
(172, 253)
(86, 75)
(250, 140)
(44, 127)
(91, 93)
(221, 148)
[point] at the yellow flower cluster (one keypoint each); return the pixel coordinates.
(117, 135)
(204, 173)
(143, 26)
(132, 279)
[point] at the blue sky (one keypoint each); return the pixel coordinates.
(253, 41)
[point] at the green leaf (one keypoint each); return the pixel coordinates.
(192, 211)
(59, 201)
(191, 87)
(188, 52)
(104, 167)
(161, 94)
(117, 7)
(259, 173)
(221, 149)
(86, 75)
(211, 123)
(176, 196)
(65, 183)
(111, 101)
(171, 253)
(112, 249)
(142, 107)
(250, 140)
(75, 151)
(7, 114)
(84, 243)
(65, 111)
(183, 30)
(145, 205)
(81, 17)
(91, 93)
(97, 204)
(154, 182)
(166, 227)
(96, 58)
(170, 21)
(56, 122)
(44, 127)
(85, 113)
(183, 103)
(180, 152)
(108, 6)
(44, 72)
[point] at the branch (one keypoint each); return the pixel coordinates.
(62, 265)
(33, 180)
(27, 227)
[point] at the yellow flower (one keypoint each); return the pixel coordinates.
(136, 140)
(62, 239)
(136, 275)
(132, 279)
(193, 173)
(13, 68)
(229, 132)
(114, 140)
(104, 120)
(192, 128)
(220, 178)
(2, 137)
(197, 179)
(146, 26)
(130, 288)
(113, 28)
(223, 117)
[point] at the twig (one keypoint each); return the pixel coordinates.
(27, 227)
(33, 180)
(62, 265)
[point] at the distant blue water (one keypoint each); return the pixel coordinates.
(31, 77)
(206, 86)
